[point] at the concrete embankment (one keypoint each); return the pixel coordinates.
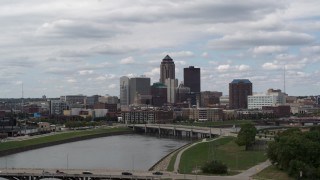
(47, 144)
(167, 156)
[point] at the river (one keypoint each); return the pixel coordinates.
(127, 152)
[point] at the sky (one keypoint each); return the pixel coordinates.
(71, 47)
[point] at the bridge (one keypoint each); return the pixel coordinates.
(179, 130)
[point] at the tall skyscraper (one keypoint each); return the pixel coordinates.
(139, 89)
(171, 90)
(167, 69)
(192, 80)
(124, 92)
(239, 90)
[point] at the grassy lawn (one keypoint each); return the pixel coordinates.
(58, 137)
(172, 161)
(272, 172)
(217, 123)
(224, 150)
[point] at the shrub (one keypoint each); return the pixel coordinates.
(214, 167)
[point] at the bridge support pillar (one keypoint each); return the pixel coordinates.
(145, 129)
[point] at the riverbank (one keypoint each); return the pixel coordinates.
(163, 163)
(13, 147)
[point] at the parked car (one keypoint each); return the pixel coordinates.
(86, 172)
(127, 173)
(157, 173)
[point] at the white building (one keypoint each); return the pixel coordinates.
(171, 90)
(271, 98)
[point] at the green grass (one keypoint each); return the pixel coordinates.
(217, 123)
(224, 150)
(57, 137)
(272, 172)
(172, 161)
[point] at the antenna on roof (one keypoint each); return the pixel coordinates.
(284, 78)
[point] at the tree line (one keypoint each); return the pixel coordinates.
(297, 152)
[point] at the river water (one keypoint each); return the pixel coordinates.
(126, 152)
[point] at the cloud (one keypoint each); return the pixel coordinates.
(242, 40)
(270, 66)
(243, 67)
(128, 60)
(205, 54)
(66, 28)
(179, 54)
(85, 72)
(268, 49)
(153, 72)
(223, 68)
(112, 86)
(72, 80)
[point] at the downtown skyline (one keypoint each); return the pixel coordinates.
(84, 47)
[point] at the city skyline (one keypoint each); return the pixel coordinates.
(84, 47)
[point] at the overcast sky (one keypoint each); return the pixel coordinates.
(70, 47)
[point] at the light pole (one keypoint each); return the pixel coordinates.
(132, 163)
(67, 160)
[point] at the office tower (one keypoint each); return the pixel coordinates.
(171, 90)
(124, 92)
(182, 92)
(271, 98)
(139, 89)
(92, 100)
(209, 98)
(167, 69)
(159, 94)
(239, 90)
(192, 79)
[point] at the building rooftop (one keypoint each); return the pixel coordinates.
(159, 85)
(236, 81)
(167, 58)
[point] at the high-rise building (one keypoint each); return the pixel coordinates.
(182, 92)
(159, 94)
(239, 90)
(139, 89)
(167, 69)
(124, 92)
(171, 90)
(192, 80)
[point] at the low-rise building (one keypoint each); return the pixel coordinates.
(271, 98)
(147, 116)
(203, 114)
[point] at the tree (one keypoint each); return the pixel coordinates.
(295, 151)
(246, 135)
(214, 167)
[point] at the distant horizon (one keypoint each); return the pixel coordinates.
(56, 47)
